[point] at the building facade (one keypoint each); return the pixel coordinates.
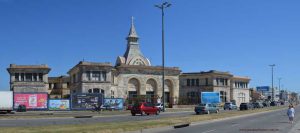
(239, 90)
(231, 88)
(132, 76)
(191, 84)
(28, 78)
(59, 87)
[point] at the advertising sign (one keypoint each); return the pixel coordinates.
(59, 104)
(82, 101)
(31, 100)
(114, 103)
(210, 97)
(263, 88)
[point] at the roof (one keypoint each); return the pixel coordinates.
(208, 72)
(43, 66)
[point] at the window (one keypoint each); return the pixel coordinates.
(40, 77)
(188, 82)
(88, 75)
(35, 77)
(28, 76)
(206, 81)
(193, 82)
(17, 76)
(96, 90)
(197, 82)
(90, 90)
(22, 77)
(96, 76)
(112, 94)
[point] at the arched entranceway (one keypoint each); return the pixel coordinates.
(133, 89)
(168, 91)
(151, 90)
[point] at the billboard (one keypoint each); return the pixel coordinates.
(210, 97)
(262, 88)
(82, 101)
(31, 100)
(114, 103)
(59, 104)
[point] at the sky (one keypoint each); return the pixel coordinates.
(242, 37)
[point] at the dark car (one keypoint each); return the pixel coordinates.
(229, 106)
(258, 105)
(206, 108)
(266, 104)
(246, 106)
(273, 103)
(144, 108)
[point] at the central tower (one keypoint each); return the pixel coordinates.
(133, 54)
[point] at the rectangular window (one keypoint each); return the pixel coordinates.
(34, 77)
(96, 76)
(206, 81)
(193, 82)
(41, 77)
(22, 77)
(197, 82)
(17, 76)
(88, 75)
(188, 82)
(28, 76)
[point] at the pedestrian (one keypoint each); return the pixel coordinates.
(291, 113)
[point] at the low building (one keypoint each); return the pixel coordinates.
(28, 78)
(191, 84)
(239, 90)
(59, 87)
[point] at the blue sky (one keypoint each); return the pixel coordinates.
(239, 36)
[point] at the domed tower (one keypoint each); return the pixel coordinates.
(133, 55)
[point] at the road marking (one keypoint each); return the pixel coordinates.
(209, 131)
(235, 125)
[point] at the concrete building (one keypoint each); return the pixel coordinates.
(132, 76)
(239, 90)
(59, 87)
(28, 78)
(191, 84)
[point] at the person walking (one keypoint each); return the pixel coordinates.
(291, 113)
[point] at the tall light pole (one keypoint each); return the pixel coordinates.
(272, 66)
(279, 79)
(162, 7)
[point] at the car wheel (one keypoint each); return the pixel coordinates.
(197, 113)
(142, 113)
(157, 112)
(148, 114)
(133, 114)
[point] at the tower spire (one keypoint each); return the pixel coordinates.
(132, 32)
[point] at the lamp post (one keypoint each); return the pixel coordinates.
(272, 66)
(162, 7)
(280, 96)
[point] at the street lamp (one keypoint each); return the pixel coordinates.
(280, 96)
(272, 66)
(162, 7)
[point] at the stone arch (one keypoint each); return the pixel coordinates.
(151, 85)
(134, 85)
(169, 91)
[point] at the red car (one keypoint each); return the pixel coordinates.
(144, 108)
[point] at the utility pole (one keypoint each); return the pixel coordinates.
(162, 7)
(272, 66)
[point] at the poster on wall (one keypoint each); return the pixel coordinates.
(59, 104)
(210, 97)
(114, 103)
(31, 100)
(85, 101)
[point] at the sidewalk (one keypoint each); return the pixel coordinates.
(295, 128)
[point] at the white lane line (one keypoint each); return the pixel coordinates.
(235, 125)
(209, 131)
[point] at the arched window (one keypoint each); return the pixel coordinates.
(90, 91)
(96, 90)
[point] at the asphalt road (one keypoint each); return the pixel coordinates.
(271, 122)
(69, 121)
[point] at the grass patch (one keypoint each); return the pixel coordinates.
(117, 127)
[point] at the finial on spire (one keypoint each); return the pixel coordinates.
(132, 20)
(132, 32)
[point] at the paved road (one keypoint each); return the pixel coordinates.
(271, 122)
(101, 119)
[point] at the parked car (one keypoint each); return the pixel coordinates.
(160, 106)
(229, 106)
(144, 108)
(246, 106)
(273, 103)
(206, 108)
(258, 105)
(266, 104)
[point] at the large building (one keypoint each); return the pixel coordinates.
(59, 87)
(130, 78)
(231, 88)
(28, 78)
